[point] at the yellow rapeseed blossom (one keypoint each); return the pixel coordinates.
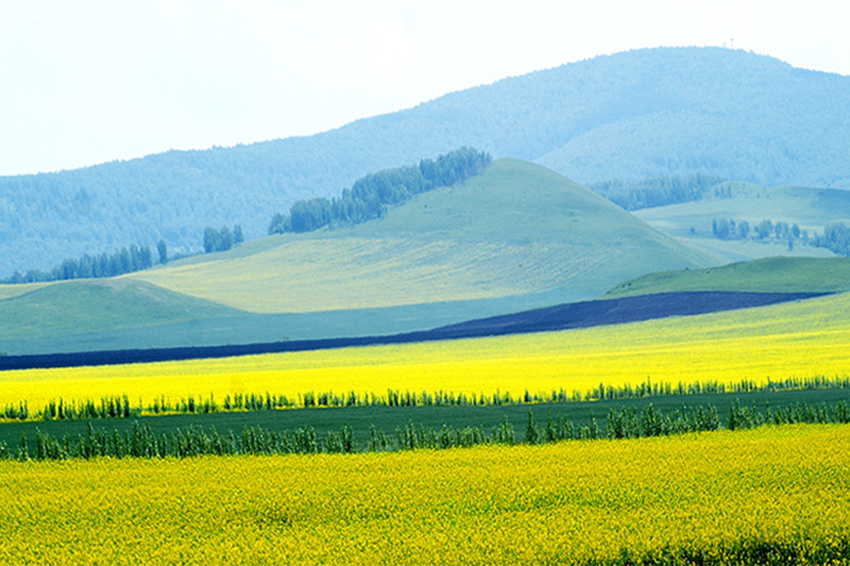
(709, 494)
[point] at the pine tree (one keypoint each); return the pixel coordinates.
(162, 250)
(23, 451)
(532, 433)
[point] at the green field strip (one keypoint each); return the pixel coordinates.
(387, 419)
(775, 275)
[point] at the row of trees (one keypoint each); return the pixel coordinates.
(835, 237)
(125, 260)
(222, 239)
(729, 229)
(661, 191)
(369, 196)
(142, 442)
(628, 422)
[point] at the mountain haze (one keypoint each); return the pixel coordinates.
(637, 114)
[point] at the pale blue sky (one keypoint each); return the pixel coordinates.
(89, 81)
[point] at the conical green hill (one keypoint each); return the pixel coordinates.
(516, 228)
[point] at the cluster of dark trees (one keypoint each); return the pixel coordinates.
(125, 260)
(836, 238)
(780, 230)
(222, 239)
(729, 229)
(724, 229)
(369, 196)
(661, 191)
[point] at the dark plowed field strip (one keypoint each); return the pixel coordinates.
(560, 317)
(616, 311)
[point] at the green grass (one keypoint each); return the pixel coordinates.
(360, 419)
(517, 228)
(777, 274)
(76, 307)
(9, 291)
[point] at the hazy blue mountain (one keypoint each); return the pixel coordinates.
(646, 113)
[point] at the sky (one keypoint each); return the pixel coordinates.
(91, 81)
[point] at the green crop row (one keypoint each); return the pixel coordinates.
(628, 422)
(121, 407)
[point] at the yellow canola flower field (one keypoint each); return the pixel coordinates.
(800, 339)
(721, 496)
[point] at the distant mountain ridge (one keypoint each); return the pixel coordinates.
(646, 113)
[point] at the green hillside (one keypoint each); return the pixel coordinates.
(9, 291)
(777, 274)
(77, 307)
(644, 113)
(248, 328)
(517, 228)
(810, 208)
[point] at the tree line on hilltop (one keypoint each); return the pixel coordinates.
(370, 196)
(661, 191)
(125, 260)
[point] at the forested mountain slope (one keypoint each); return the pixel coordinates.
(647, 113)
